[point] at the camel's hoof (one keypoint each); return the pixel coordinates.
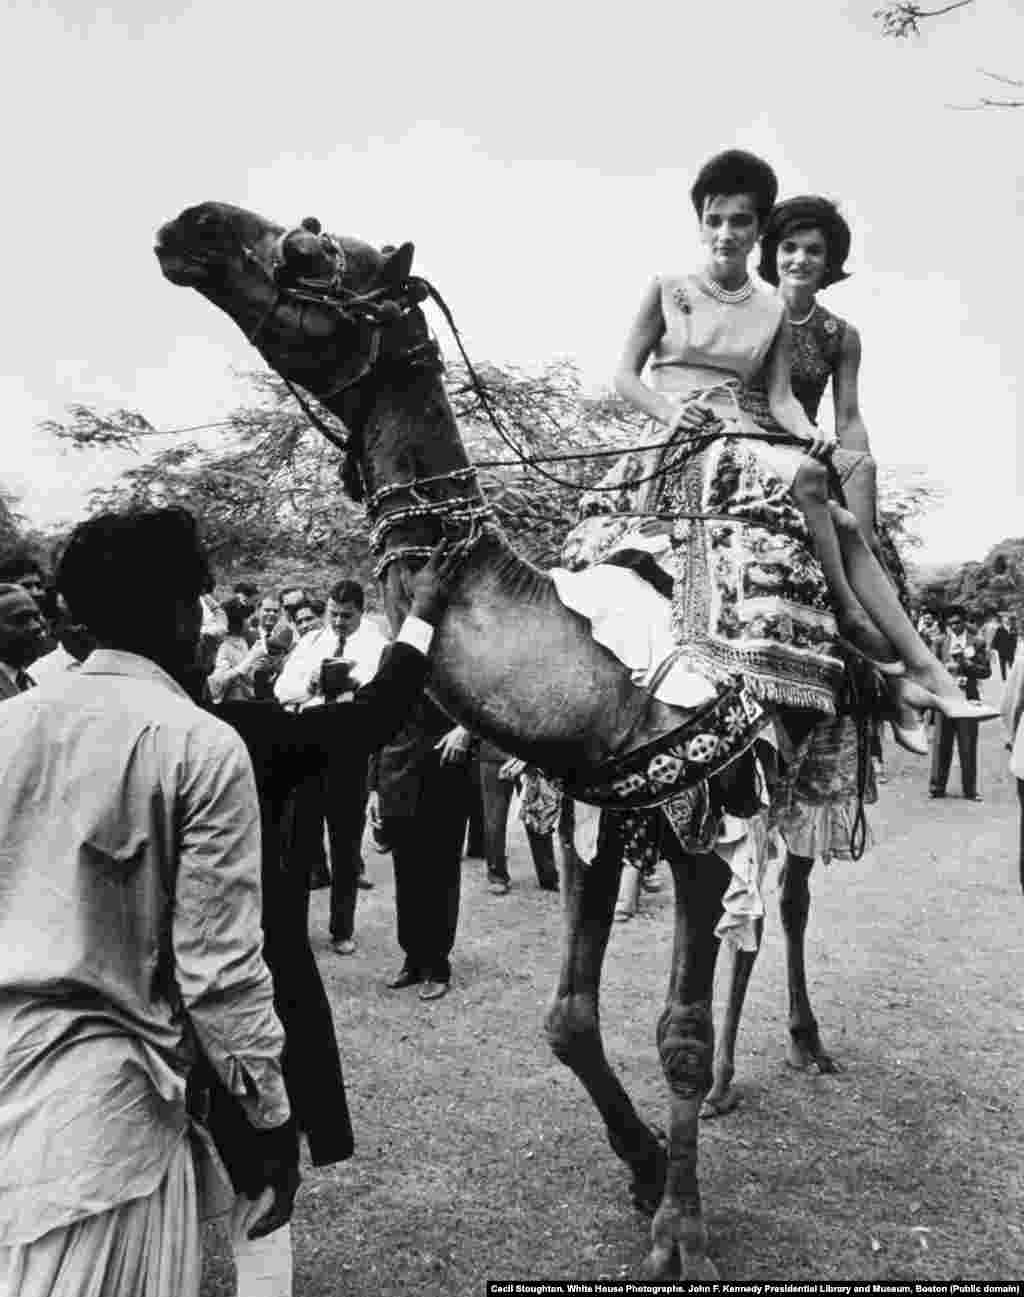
(671, 1262)
(718, 1105)
(802, 1058)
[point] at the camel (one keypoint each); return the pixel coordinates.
(343, 321)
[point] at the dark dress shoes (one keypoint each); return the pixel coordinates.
(407, 977)
(433, 989)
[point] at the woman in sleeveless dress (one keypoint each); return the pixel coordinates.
(744, 603)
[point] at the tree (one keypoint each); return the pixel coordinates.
(271, 490)
(901, 21)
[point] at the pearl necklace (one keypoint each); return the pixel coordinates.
(814, 307)
(730, 296)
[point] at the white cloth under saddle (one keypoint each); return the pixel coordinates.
(631, 619)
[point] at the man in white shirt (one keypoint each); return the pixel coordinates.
(294, 687)
(966, 654)
(130, 938)
(359, 642)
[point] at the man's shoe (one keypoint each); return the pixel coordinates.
(973, 797)
(346, 946)
(548, 884)
(407, 977)
(936, 792)
(433, 990)
(498, 886)
(364, 883)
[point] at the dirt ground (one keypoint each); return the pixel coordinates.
(479, 1156)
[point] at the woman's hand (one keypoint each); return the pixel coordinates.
(512, 768)
(453, 746)
(818, 448)
(693, 416)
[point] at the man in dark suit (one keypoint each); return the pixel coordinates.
(21, 639)
(966, 655)
(1004, 641)
(287, 748)
(421, 782)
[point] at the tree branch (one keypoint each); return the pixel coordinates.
(902, 20)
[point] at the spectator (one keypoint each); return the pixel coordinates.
(359, 641)
(964, 651)
(103, 1005)
(292, 598)
(421, 779)
(294, 687)
(295, 691)
(231, 679)
(248, 593)
(1013, 716)
(21, 567)
(499, 775)
(275, 636)
(21, 635)
(1004, 641)
(74, 644)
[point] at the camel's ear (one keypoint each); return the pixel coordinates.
(395, 268)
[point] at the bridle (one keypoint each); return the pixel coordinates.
(376, 311)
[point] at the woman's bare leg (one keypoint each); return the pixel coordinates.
(861, 491)
(879, 600)
(870, 614)
(810, 494)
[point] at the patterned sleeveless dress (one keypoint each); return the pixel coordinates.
(815, 802)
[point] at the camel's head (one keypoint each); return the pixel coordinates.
(308, 300)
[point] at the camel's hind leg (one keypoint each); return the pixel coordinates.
(686, 1042)
(573, 1022)
(805, 1048)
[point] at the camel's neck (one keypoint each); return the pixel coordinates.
(510, 661)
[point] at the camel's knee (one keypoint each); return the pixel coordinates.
(810, 484)
(572, 1028)
(686, 1042)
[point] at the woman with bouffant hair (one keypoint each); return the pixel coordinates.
(803, 250)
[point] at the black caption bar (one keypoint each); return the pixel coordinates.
(641, 1287)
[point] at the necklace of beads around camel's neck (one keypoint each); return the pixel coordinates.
(814, 307)
(730, 296)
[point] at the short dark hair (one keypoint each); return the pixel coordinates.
(247, 589)
(349, 592)
(319, 606)
(122, 574)
(237, 613)
(17, 562)
(736, 172)
(806, 212)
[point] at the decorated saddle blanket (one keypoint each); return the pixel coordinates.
(748, 600)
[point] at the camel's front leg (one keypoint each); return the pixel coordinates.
(722, 1098)
(804, 1048)
(573, 1022)
(686, 1042)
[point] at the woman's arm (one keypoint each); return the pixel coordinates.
(850, 430)
(644, 334)
(786, 409)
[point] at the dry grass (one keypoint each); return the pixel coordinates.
(479, 1156)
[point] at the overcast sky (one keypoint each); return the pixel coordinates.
(539, 155)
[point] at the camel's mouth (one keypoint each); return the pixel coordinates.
(184, 268)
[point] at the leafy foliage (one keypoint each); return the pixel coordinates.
(996, 584)
(270, 490)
